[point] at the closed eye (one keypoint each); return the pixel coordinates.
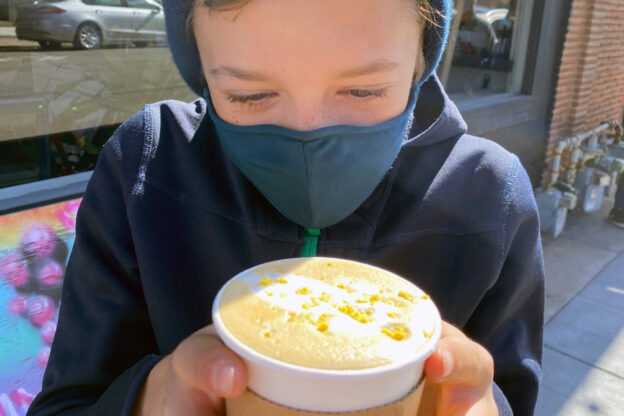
(250, 98)
(365, 94)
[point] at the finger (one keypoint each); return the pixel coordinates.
(449, 330)
(204, 363)
(460, 360)
(435, 365)
(181, 399)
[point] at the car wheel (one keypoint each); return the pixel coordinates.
(88, 36)
(49, 46)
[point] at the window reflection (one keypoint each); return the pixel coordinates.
(70, 72)
(484, 40)
(89, 24)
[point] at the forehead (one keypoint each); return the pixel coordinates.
(285, 33)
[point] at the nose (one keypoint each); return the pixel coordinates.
(308, 116)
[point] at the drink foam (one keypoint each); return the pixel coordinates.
(336, 315)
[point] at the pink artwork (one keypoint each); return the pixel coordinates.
(34, 247)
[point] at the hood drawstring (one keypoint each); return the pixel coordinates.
(310, 241)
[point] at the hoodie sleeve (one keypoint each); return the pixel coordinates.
(510, 319)
(104, 345)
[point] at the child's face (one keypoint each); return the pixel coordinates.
(305, 64)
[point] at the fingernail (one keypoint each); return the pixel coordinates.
(447, 363)
(223, 378)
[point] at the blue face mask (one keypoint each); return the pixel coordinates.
(315, 178)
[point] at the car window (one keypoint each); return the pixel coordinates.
(109, 3)
(140, 4)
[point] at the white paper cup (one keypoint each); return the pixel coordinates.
(321, 390)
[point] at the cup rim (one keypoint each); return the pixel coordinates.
(247, 352)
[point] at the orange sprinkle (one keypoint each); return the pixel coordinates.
(396, 332)
(406, 296)
(265, 281)
(355, 314)
(303, 291)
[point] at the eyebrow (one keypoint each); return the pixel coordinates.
(239, 73)
(380, 65)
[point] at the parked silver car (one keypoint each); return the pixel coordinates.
(89, 24)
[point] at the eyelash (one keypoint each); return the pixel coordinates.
(365, 95)
(359, 94)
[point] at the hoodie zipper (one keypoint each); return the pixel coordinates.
(310, 241)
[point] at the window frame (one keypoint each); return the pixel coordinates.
(48, 191)
(506, 109)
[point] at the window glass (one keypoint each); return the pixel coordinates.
(487, 48)
(109, 3)
(69, 77)
(140, 4)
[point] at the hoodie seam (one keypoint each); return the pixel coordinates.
(138, 187)
(202, 205)
(506, 199)
(409, 237)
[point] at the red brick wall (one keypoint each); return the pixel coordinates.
(591, 75)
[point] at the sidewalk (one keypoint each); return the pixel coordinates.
(583, 372)
(7, 31)
(8, 38)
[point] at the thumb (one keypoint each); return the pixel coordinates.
(204, 363)
(439, 365)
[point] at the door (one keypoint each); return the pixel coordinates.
(115, 20)
(148, 20)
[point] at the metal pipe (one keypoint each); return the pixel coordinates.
(575, 158)
(574, 142)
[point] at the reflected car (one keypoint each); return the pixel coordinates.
(89, 24)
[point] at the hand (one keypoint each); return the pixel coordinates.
(459, 378)
(194, 379)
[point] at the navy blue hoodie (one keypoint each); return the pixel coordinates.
(167, 219)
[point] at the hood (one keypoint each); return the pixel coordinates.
(436, 117)
(186, 56)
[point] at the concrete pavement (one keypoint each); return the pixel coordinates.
(584, 336)
(7, 31)
(44, 92)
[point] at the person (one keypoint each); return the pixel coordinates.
(616, 215)
(323, 130)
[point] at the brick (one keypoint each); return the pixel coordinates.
(590, 82)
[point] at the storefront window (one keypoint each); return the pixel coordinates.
(70, 73)
(488, 45)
